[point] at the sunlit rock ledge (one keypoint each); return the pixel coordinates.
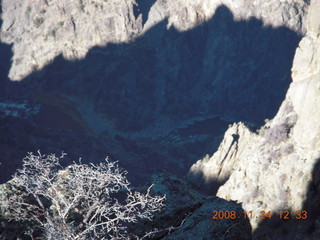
(41, 30)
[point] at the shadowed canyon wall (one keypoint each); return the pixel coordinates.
(144, 98)
(276, 169)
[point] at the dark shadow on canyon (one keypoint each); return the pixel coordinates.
(296, 224)
(221, 71)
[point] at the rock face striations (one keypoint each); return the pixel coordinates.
(143, 80)
(222, 55)
(41, 30)
(179, 61)
(277, 168)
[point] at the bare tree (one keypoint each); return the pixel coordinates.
(80, 202)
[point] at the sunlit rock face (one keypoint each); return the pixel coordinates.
(144, 82)
(277, 168)
(41, 30)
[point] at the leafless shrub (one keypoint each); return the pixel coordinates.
(80, 202)
(287, 150)
(274, 155)
(276, 134)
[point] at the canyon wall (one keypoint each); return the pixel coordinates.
(276, 168)
(40, 30)
(153, 68)
(120, 72)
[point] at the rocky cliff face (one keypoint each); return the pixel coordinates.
(277, 169)
(143, 81)
(150, 76)
(217, 53)
(41, 30)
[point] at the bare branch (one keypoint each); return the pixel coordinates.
(79, 202)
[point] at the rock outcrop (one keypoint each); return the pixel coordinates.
(123, 77)
(41, 30)
(187, 214)
(276, 169)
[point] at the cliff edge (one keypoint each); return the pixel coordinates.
(276, 168)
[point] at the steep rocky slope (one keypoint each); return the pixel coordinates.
(191, 60)
(41, 30)
(150, 76)
(143, 81)
(277, 168)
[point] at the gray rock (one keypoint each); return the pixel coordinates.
(226, 48)
(276, 168)
(139, 85)
(72, 28)
(188, 214)
(221, 59)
